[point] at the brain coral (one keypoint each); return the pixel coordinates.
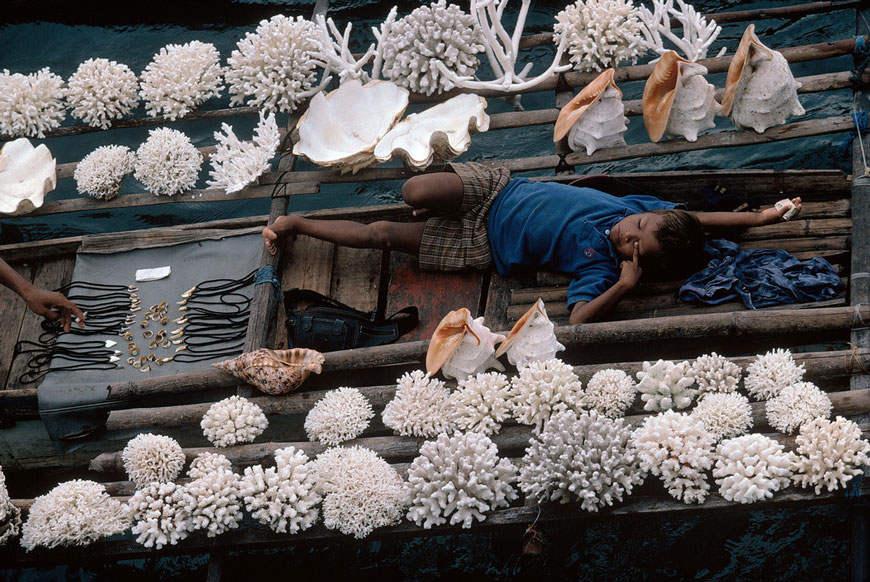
(180, 78)
(167, 162)
(770, 373)
(341, 415)
(601, 33)
(829, 453)
(30, 104)
(232, 421)
(796, 404)
(100, 173)
(482, 402)
(715, 373)
(610, 392)
(100, 91)
(542, 389)
(421, 406)
(751, 468)
(152, 457)
(725, 415)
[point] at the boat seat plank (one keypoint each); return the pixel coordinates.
(356, 277)
(12, 310)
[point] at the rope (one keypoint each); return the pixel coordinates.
(267, 274)
(861, 120)
(857, 317)
(855, 357)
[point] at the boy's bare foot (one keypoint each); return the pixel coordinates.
(275, 233)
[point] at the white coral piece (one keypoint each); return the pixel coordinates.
(829, 454)
(100, 91)
(235, 164)
(724, 415)
(361, 491)
(159, 515)
(283, 497)
(542, 389)
(167, 162)
(770, 373)
(751, 467)
(420, 408)
(213, 501)
(232, 421)
(180, 78)
(206, 463)
(460, 477)
(334, 51)
(611, 392)
(10, 516)
(30, 104)
(152, 458)
(481, 403)
(341, 415)
(796, 404)
(698, 32)
(588, 458)
(665, 385)
(715, 373)
(100, 173)
(677, 448)
(75, 513)
(600, 33)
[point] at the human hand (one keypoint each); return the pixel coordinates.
(630, 271)
(773, 215)
(52, 306)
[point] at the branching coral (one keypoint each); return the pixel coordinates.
(698, 32)
(460, 477)
(751, 468)
(102, 90)
(588, 458)
(542, 389)
(159, 515)
(770, 373)
(665, 385)
(206, 463)
(361, 491)
(334, 51)
(180, 78)
(724, 415)
(152, 457)
(212, 499)
(167, 162)
(829, 453)
(100, 173)
(796, 404)
(75, 513)
(235, 164)
(679, 449)
(420, 408)
(481, 403)
(30, 104)
(610, 392)
(600, 33)
(284, 496)
(341, 415)
(233, 420)
(10, 516)
(715, 373)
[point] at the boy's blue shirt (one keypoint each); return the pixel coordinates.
(562, 228)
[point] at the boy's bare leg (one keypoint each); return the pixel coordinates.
(439, 192)
(397, 236)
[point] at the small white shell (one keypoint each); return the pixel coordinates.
(532, 339)
(26, 175)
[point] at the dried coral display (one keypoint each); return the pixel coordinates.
(481, 403)
(232, 421)
(725, 415)
(152, 458)
(611, 392)
(27, 174)
(420, 408)
(600, 33)
(212, 501)
(715, 373)
(101, 91)
(159, 515)
(460, 477)
(542, 389)
(587, 458)
(235, 164)
(795, 405)
(167, 162)
(772, 372)
(750, 468)
(180, 78)
(665, 385)
(341, 415)
(30, 104)
(100, 173)
(206, 463)
(10, 516)
(334, 54)
(698, 32)
(829, 453)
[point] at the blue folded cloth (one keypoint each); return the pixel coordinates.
(760, 277)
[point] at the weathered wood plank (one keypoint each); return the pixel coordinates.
(12, 309)
(108, 244)
(498, 299)
(356, 277)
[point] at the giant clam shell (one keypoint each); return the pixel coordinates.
(594, 118)
(341, 129)
(27, 174)
(462, 346)
(274, 371)
(532, 339)
(677, 100)
(760, 90)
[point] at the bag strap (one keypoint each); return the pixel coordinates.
(406, 319)
(293, 296)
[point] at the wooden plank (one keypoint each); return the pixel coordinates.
(12, 310)
(112, 243)
(356, 277)
(498, 299)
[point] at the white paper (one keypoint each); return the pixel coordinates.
(154, 274)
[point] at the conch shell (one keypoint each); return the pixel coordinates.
(274, 371)
(760, 90)
(532, 338)
(594, 118)
(462, 346)
(27, 174)
(677, 100)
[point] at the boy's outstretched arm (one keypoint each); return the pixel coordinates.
(743, 219)
(49, 304)
(629, 276)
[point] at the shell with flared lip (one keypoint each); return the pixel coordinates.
(274, 371)
(594, 118)
(27, 174)
(532, 338)
(462, 346)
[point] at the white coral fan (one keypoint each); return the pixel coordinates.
(212, 500)
(10, 516)
(75, 513)
(542, 389)
(679, 449)
(274, 64)
(829, 454)
(361, 491)
(102, 90)
(233, 420)
(180, 78)
(610, 392)
(751, 467)
(167, 162)
(159, 515)
(420, 408)
(481, 403)
(461, 477)
(770, 373)
(235, 164)
(152, 457)
(796, 404)
(715, 373)
(601, 33)
(341, 415)
(416, 43)
(588, 458)
(725, 415)
(665, 385)
(284, 496)
(30, 104)
(206, 463)
(100, 173)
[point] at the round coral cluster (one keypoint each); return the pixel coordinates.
(715, 373)
(610, 392)
(829, 454)
(543, 388)
(100, 91)
(167, 162)
(180, 78)
(420, 408)
(665, 385)
(30, 104)
(796, 404)
(725, 415)
(159, 515)
(600, 33)
(232, 421)
(751, 468)
(482, 402)
(100, 173)
(770, 373)
(10, 516)
(341, 415)
(212, 500)
(150, 458)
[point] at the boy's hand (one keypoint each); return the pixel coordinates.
(52, 305)
(630, 271)
(772, 215)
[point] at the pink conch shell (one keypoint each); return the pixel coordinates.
(532, 338)
(447, 337)
(576, 107)
(659, 93)
(274, 371)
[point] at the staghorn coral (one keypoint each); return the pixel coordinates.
(600, 33)
(420, 408)
(100, 91)
(152, 458)
(610, 392)
(341, 415)
(167, 162)
(100, 173)
(750, 468)
(542, 389)
(30, 104)
(698, 32)
(481, 403)
(205, 463)
(796, 404)
(588, 458)
(461, 477)
(10, 516)
(159, 515)
(677, 448)
(361, 491)
(715, 373)
(665, 385)
(724, 415)
(770, 373)
(284, 496)
(212, 500)
(233, 420)
(180, 78)
(829, 453)
(235, 164)
(75, 513)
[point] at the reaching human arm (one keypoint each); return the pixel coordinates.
(49, 304)
(629, 276)
(715, 220)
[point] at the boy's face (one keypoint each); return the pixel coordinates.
(637, 228)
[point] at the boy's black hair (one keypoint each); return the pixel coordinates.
(681, 237)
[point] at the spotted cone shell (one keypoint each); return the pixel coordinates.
(274, 371)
